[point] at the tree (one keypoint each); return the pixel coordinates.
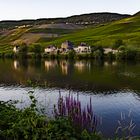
(118, 43)
(37, 49)
(23, 49)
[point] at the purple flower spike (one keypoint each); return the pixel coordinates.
(81, 118)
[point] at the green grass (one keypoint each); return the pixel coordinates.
(127, 29)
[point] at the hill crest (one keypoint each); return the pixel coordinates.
(84, 19)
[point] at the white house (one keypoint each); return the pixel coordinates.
(110, 50)
(50, 49)
(16, 49)
(83, 48)
(66, 46)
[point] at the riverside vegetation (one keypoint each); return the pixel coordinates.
(70, 122)
(97, 52)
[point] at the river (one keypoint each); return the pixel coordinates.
(114, 87)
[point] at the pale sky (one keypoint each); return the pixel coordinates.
(33, 9)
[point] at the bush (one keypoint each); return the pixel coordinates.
(71, 55)
(128, 54)
(110, 56)
(37, 49)
(118, 43)
(8, 55)
(27, 124)
(21, 124)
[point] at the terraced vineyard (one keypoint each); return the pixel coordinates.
(105, 35)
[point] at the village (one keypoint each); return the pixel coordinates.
(68, 46)
(83, 48)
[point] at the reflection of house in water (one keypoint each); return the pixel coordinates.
(114, 63)
(110, 63)
(16, 65)
(50, 64)
(82, 65)
(64, 67)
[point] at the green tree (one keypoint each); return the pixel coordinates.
(37, 49)
(23, 49)
(118, 43)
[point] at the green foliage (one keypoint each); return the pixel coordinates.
(98, 53)
(61, 129)
(110, 56)
(37, 49)
(118, 43)
(122, 48)
(86, 136)
(125, 31)
(71, 54)
(28, 124)
(128, 54)
(23, 50)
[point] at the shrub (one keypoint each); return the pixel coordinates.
(71, 54)
(118, 43)
(37, 49)
(27, 124)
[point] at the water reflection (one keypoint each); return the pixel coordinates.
(76, 75)
(81, 66)
(16, 65)
(107, 106)
(113, 86)
(64, 66)
(110, 63)
(50, 64)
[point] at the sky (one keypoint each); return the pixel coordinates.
(33, 9)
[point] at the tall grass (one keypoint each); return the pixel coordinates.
(81, 119)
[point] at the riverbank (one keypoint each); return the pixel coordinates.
(122, 55)
(30, 123)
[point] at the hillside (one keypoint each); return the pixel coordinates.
(43, 31)
(127, 29)
(84, 19)
(33, 34)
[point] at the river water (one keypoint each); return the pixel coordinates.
(114, 87)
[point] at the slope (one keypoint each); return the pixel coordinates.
(127, 29)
